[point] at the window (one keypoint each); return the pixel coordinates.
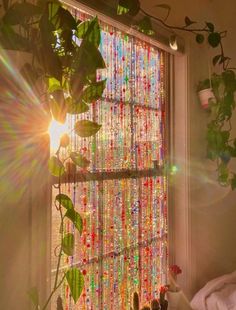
(122, 198)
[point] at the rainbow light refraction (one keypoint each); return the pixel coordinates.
(123, 247)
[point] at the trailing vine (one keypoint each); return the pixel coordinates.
(221, 147)
(64, 55)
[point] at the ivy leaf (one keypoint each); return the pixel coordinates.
(214, 39)
(216, 59)
(53, 85)
(90, 31)
(58, 106)
(225, 156)
(79, 160)
(76, 219)
(90, 55)
(94, 91)
(66, 19)
(128, 6)
(34, 296)
(56, 167)
(145, 26)
(200, 38)
(47, 56)
(223, 174)
(233, 182)
(68, 243)
(76, 107)
(122, 10)
(210, 26)
(86, 128)
(75, 281)
(87, 54)
(232, 151)
(65, 201)
(188, 21)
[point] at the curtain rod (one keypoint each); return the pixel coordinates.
(108, 15)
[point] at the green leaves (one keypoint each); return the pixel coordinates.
(79, 160)
(223, 174)
(53, 85)
(145, 26)
(56, 167)
(122, 10)
(128, 6)
(86, 128)
(188, 21)
(90, 31)
(76, 107)
(210, 26)
(71, 214)
(65, 201)
(58, 106)
(68, 243)
(94, 91)
(76, 282)
(216, 59)
(76, 219)
(89, 54)
(65, 19)
(214, 39)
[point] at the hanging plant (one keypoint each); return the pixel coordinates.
(65, 56)
(216, 93)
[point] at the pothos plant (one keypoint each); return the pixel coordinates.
(221, 146)
(64, 55)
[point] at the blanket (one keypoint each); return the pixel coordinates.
(217, 294)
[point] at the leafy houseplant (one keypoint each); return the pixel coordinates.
(221, 146)
(64, 57)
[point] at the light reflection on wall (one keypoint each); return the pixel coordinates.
(123, 247)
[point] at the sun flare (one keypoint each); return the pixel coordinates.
(56, 130)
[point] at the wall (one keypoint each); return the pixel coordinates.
(211, 208)
(24, 183)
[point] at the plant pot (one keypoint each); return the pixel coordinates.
(173, 299)
(204, 96)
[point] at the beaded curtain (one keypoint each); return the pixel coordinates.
(123, 247)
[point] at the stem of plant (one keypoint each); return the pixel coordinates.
(56, 284)
(225, 60)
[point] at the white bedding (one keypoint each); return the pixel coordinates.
(218, 294)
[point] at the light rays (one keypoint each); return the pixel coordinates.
(23, 130)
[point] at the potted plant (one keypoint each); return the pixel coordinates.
(173, 293)
(205, 93)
